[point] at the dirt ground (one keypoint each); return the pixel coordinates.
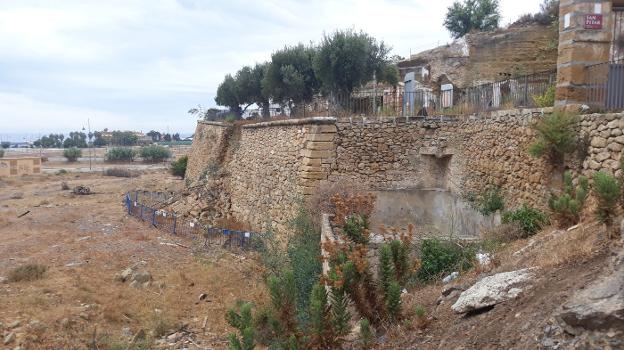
(85, 241)
(564, 262)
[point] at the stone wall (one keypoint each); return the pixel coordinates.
(268, 168)
(209, 147)
(606, 141)
(274, 165)
(461, 155)
(259, 173)
(482, 56)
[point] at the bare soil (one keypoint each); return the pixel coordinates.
(85, 241)
(566, 261)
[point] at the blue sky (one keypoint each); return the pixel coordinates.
(141, 64)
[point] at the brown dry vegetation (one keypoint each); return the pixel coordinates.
(85, 241)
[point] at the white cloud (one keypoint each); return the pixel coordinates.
(123, 61)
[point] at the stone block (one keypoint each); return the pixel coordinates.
(321, 137)
(322, 129)
(311, 168)
(575, 74)
(306, 161)
(318, 175)
(584, 52)
(316, 153)
(321, 146)
(309, 182)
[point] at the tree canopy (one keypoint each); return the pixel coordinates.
(347, 59)
(290, 76)
(463, 17)
(342, 62)
(227, 95)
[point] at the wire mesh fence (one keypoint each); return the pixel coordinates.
(170, 222)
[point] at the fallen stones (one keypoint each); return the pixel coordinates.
(599, 306)
(9, 338)
(81, 190)
(453, 275)
(137, 277)
(17, 195)
(492, 290)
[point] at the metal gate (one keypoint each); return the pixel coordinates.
(615, 87)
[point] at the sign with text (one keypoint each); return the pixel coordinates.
(593, 21)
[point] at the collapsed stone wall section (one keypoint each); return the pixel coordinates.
(209, 146)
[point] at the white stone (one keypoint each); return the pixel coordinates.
(492, 290)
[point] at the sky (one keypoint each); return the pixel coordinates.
(142, 64)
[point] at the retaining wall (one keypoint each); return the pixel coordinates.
(270, 167)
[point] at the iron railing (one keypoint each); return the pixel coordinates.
(605, 85)
(512, 92)
(178, 225)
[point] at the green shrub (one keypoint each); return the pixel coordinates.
(439, 258)
(567, 207)
(283, 292)
(393, 300)
(119, 172)
(547, 99)
(367, 338)
(340, 312)
(120, 154)
(400, 259)
(386, 268)
(529, 219)
(607, 191)
(241, 320)
(419, 311)
(556, 137)
(354, 228)
(321, 329)
(5, 144)
(178, 167)
(154, 153)
(489, 202)
(304, 248)
(72, 154)
(29, 272)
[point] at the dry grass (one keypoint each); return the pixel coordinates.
(552, 248)
(29, 272)
(568, 248)
(320, 202)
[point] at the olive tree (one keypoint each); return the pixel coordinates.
(289, 78)
(347, 59)
(463, 17)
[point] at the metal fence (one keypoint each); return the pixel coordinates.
(178, 225)
(605, 89)
(512, 92)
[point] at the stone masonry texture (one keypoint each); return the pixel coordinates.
(269, 168)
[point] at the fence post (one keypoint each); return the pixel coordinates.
(154, 217)
(175, 220)
(526, 90)
(129, 204)
(141, 216)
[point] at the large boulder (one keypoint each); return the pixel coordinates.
(599, 306)
(492, 290)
